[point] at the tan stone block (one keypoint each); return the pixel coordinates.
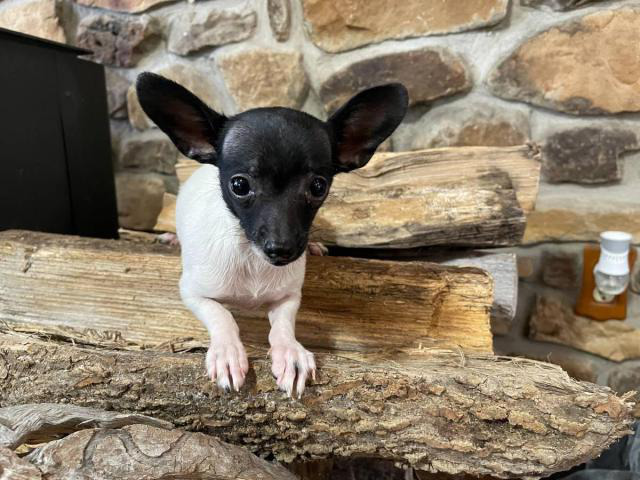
(116, 40)
(117, 87)
(583, 66)
(467, 125)
(428, 73)
(564, 224)
(338, 25)
(139, 197)
(554, 321)
(150, 151)
(586, 155)
(39, 18)
(560, 269)
(194, 29)
(264, 78)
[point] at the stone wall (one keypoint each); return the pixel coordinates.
(562, 73)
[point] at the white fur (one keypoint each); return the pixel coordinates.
(220, 266)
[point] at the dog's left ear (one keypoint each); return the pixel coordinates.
(364, 122)
(192, 126)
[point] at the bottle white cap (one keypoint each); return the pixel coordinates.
(614, 253)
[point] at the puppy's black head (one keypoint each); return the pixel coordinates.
(276, 164)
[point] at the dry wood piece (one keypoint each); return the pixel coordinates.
(13, 467)
(476, 196)
(434, 410)
(348, 304)
(502, 267)
(143, 452)
(39, 423)
(504, 272)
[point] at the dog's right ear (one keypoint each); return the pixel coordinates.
(191, 125)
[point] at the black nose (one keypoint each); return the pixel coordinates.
(278, 251)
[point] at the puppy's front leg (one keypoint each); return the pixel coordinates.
(287, 355)
(226, 359)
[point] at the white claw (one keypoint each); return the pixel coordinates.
(318, 249)
(168, 238)
(290, 360)
(227, 363)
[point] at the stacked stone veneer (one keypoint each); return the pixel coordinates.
(562, 73)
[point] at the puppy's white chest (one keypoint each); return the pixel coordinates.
(254, 282)
(218, 260)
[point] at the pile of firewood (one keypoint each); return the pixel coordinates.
(101, 367)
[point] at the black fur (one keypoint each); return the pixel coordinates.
(278, 150)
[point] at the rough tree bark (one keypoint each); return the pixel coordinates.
(474, 196)
(43, 422)
(13, 467)
(143, 452)
(434, 410)
(348, 304)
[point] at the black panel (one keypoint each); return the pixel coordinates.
(83, 105)
(34, 190)
(55, 153)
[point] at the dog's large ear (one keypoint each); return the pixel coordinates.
(188, 121)
(364, 122)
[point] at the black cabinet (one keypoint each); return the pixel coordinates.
(55, 152)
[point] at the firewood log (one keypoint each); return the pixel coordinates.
(472, 196)
(434, 410)
(348, 304)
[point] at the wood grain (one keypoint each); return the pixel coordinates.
(348, 304)
(471, 196)
(434, 410)
(144, 452)
(13, 467)
(43, 422)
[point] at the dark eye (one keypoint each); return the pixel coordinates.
(240, 186)
(318, 187)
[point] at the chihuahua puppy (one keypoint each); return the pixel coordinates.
(243, 218)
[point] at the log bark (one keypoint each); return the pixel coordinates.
(43, 422)
(472, 196)
(348, 304)
(434, 410)
(143, 452)
(13, 467)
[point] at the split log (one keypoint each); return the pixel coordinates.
(43, 422)
(13, 467)
(502, 267)
(473, 196)
(348, 304)
(144, 452)
(433, 410)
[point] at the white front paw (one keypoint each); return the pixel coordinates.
(288, 358)
(227, 362)
(317, 249)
